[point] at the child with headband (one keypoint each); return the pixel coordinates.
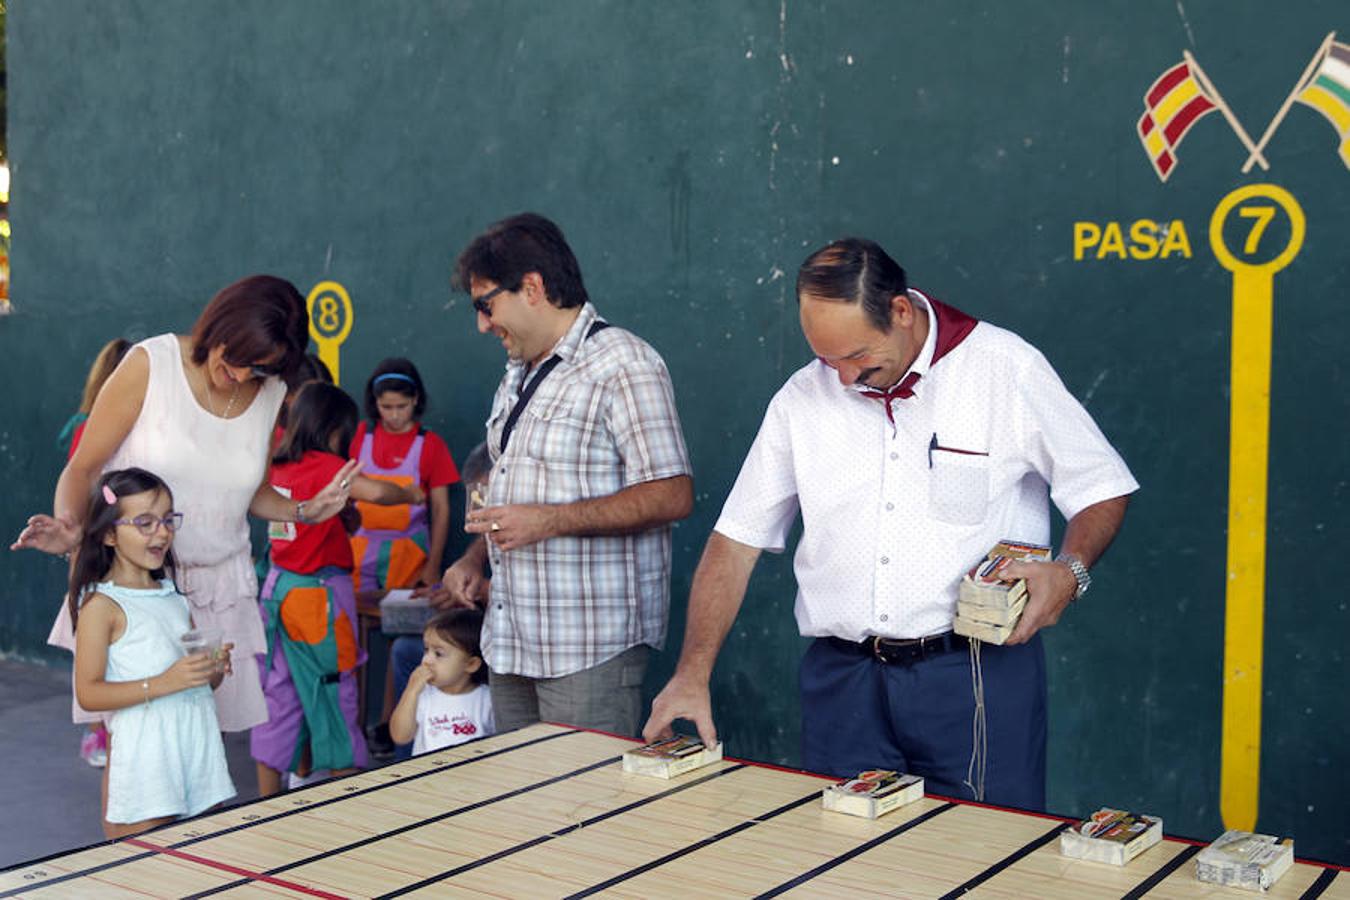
(401, 546)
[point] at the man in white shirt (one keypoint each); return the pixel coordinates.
(915, 441)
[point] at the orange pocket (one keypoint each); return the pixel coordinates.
(359, 545)
(346, 643)
(304, 614)
(405, 563)
(376, 517)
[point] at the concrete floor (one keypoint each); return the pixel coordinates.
(48, 795)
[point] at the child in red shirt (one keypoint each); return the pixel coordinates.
(401, 547)
(308, 603)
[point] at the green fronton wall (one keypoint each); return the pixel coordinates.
(693, 153)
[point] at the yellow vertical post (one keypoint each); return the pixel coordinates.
(330, 321)
(1249, 445)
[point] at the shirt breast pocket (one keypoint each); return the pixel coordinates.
(958, 485)
(551, 428)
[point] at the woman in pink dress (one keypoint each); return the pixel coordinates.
(198, 411)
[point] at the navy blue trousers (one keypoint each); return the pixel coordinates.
(860, 713)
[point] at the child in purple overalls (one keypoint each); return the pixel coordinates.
(400, 546)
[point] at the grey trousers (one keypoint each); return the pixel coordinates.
(606, 697)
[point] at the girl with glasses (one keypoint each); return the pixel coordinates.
(165, 755)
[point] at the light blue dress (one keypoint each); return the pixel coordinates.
(167, 758)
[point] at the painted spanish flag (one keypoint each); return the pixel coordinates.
(1174, 103)
(1327, 90)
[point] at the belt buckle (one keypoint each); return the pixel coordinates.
(907, 652)
(902, 652)
(876, 650)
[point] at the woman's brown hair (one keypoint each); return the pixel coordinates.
(254, 318)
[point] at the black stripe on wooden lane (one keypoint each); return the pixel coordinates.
(856, 851)
(1004, 863)
(561, 832)
(697, 845)
(1321, 884)
(1157, 877)
(402, 779)
(93, 870)
(67, 876)
(411, 826)
(1164, 870)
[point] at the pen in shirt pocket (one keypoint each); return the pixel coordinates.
(933, 444)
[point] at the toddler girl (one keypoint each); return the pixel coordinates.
(447, 700)
(165, 757)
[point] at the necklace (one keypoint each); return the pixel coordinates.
(210, 399)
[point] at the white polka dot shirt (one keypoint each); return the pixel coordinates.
(892, 517)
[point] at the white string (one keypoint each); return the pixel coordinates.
(979, 731)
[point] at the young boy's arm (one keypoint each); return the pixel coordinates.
(403, 723)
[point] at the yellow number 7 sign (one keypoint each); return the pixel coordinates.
(1249, 445)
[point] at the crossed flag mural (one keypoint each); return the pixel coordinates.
(1183, 95)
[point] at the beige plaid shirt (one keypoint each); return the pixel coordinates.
(602, 420)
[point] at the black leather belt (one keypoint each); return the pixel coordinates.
(903, 652)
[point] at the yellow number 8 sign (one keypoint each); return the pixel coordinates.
(330, 321)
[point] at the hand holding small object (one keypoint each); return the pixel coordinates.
(1050, 587)
(514, 525)
(331, 500)
(189, 672)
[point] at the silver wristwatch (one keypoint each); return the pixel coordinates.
(1080, 573)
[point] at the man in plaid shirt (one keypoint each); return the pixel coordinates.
(589, 470)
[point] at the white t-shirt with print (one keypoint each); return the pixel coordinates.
(444, 720)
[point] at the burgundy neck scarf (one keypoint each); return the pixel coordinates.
(953, 326)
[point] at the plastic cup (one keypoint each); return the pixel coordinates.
(203, 640)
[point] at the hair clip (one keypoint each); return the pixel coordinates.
(109, 496)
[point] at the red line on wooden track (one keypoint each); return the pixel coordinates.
(234, 870)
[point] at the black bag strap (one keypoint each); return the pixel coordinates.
(548, 366)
